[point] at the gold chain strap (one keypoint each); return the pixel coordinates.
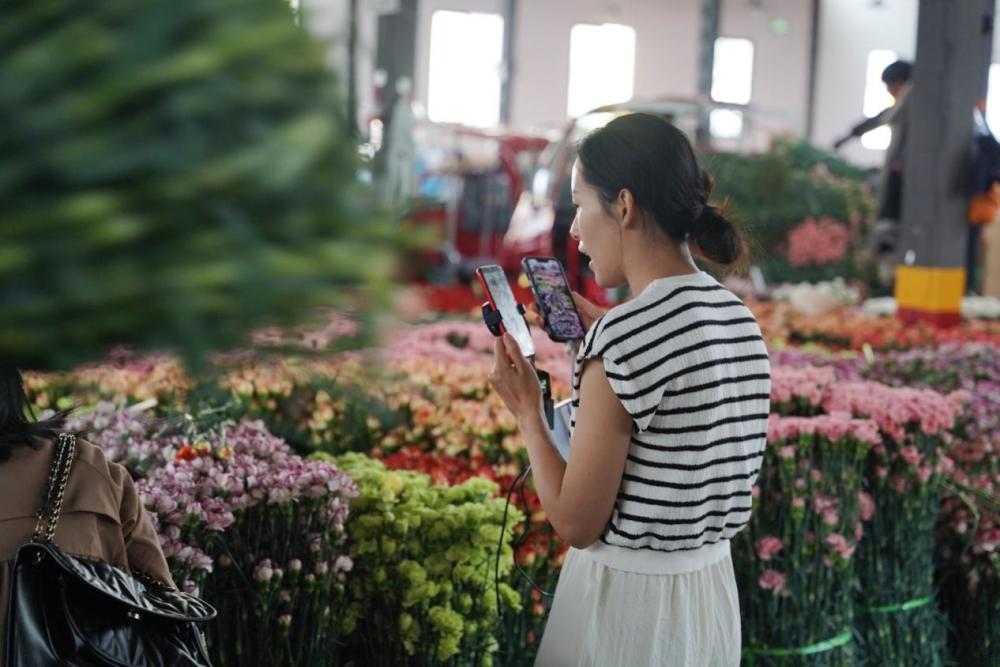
(62, 464)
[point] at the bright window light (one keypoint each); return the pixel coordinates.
(601, 66)
(993, 99)
(464, 80)
(725, 123)
(732, 70)
(877, 97)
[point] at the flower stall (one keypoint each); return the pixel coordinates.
(353, 506)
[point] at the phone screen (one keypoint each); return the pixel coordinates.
(495, 282)
(554, 299)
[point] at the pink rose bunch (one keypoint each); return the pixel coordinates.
(817, 242)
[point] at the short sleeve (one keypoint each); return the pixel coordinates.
(639, 388)
(142, 544)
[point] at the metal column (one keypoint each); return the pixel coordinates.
(954, 43)
(706, 61)
(509, 64)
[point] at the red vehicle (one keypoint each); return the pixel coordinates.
(469, 193)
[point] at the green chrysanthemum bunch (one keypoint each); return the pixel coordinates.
(424, 590)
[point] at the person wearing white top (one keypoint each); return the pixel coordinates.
(668, 429)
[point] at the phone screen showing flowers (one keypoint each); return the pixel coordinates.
(555, 301)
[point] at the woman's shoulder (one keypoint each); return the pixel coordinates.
(653, 307)
(94, 458)
(96, 484)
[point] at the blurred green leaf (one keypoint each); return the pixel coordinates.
(173, 174)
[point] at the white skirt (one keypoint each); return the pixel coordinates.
(620, 607)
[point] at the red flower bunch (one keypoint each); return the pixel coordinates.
(442, 469)
(539, 544)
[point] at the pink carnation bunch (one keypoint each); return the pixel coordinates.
(894, 409)
(833, 427)
(247, 467)
(804, 383)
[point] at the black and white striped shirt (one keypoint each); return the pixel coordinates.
(688, 362)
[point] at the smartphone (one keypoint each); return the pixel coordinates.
(555, 301)
(494, 282)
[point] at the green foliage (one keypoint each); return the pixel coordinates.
(896, 564)
(423, 589)
(173, 174)
(773, 192)
(973, 610)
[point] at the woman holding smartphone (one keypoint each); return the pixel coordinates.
(671, 393)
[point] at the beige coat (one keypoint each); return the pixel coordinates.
(102, 515)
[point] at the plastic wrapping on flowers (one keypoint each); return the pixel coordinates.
(253, 528)
(423, 590)
(794, 562)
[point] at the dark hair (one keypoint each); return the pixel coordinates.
(16, 429)
(653, 160)
(898, 72)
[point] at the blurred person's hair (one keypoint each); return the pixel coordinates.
(16, 428)
(653, 160)
(898, 72)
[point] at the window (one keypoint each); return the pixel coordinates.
(725, 123)
(732, 70)
(601, 66)
(993, 99)
(732, 83)
(877, 97)
(465, 60)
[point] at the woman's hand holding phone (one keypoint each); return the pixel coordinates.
(515, 380)
(589, 312)
(533, 316)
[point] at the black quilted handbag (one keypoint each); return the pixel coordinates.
(74, 612)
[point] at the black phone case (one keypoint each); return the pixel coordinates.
(534, 292)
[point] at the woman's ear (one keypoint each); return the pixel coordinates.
(626, 209)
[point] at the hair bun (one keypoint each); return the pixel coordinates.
(716, 238)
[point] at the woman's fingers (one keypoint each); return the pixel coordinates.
(589, 311)
(513, 350)
(500, 359)
(532, 315)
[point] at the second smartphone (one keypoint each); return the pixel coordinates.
(554, 298)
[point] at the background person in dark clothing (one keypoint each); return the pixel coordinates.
(890, 196)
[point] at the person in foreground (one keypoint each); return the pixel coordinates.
(671, 393)
(102, 516)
